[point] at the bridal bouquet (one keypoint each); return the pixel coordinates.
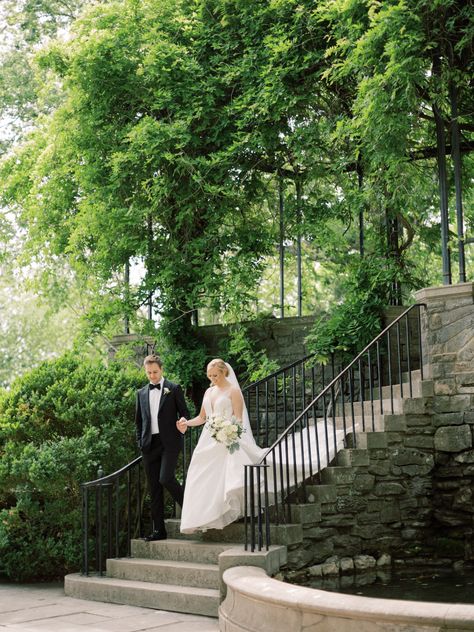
(226, 431)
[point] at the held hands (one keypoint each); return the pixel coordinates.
(182, 425)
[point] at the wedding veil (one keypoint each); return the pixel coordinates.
(245, 415)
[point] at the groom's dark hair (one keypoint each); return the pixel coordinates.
(153, 359)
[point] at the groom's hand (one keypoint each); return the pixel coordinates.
(182, 425)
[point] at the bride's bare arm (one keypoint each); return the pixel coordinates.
(183, 423)
(237, 403)
(197, 421)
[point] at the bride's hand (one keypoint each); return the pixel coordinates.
(182, 425)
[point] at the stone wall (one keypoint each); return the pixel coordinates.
(448, 336)
(379, 497)
(408, 491)
(282, 339)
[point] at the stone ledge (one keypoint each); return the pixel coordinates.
(270, 561)
(258, 603)
(459, 290)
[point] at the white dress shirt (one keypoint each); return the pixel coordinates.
(155, 398)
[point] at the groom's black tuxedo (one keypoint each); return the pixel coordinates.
(172, 407)
(160, 451)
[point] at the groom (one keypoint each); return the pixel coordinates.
(159, 406)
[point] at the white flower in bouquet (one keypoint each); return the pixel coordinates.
(225, 431)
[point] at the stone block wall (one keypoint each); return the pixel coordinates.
(448, 336)
(409, 491)
(282, 339)
(383, 501)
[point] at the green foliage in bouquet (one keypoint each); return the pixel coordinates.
(58, 424)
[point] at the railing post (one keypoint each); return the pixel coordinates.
(252, 510)
(85, 530)
(246, 507)
(267, 522)
(407, 335)
(117, 517)
(420, 346)
(98, 517)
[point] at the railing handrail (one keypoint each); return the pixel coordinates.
(278, 371)
(125, 468)
(114, 475)
(335, 379)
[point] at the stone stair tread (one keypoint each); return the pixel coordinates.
(178, 572)
(199, 551)
(172, 588)
(170, 542)
(137, 561)
(188, 599)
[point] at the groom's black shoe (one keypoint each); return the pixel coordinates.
(156, 535)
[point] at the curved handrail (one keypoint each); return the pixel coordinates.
(114, 475)
(337, 378)
(111, 477)
(286, 472)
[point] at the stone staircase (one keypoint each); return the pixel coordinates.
(175, 575)
(184, 573)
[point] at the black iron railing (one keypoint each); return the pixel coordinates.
(280, 406)
(353, 401)
(113, 506)
(111, 515)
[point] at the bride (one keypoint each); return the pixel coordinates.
(214, 491)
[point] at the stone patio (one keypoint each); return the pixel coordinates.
(45, 608)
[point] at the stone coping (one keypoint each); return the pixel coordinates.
(251, 593)
(459, 290)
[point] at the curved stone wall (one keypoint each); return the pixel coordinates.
(258, 603)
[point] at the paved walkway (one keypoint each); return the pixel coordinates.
(45, 608)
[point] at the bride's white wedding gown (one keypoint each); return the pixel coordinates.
(214, 491)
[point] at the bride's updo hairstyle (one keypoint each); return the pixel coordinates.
(220, 364)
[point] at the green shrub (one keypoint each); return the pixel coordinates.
(250, 363)
(58, 423)
(357, 319)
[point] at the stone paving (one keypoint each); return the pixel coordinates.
(45, 608)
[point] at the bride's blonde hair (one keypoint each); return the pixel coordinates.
(220, 364)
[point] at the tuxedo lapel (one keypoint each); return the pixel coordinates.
(164, 394)
(145, 405)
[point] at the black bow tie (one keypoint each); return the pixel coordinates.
(152, 386)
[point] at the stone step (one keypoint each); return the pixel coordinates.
(353, 457)
(321, 493)
(179, 550)
(188, 599)
(234, 533)
(306, 513)
(164, 572)
(396, 390)
(369, 406)
(367, 440)
(350, 423)
(338, 475)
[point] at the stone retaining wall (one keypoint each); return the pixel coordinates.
(448, 336)
(258, 603)
(282, 339)
(409, 492)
